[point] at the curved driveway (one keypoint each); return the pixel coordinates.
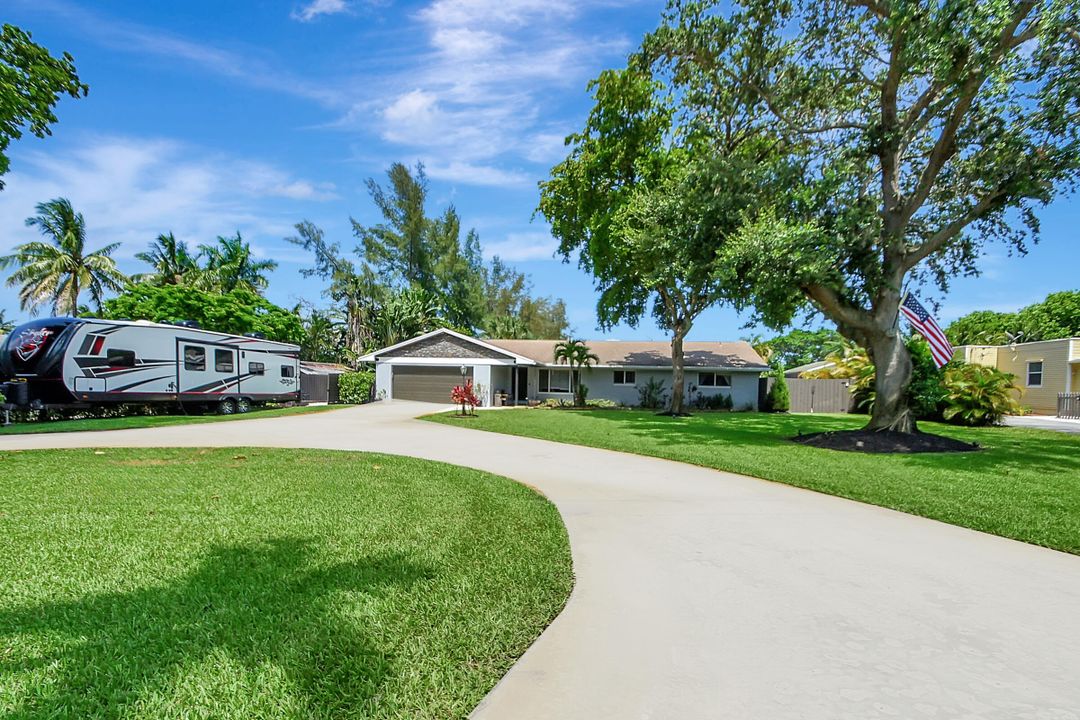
(702, 594)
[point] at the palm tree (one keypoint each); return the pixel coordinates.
(173, 263)
(230, 265)
(6, 325)
(577, 355)
(59, 270)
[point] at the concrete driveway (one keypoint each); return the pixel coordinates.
(1044, 422)
(703, 594)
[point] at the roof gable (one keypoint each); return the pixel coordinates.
(444, 343)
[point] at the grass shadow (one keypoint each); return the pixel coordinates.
(271, 605)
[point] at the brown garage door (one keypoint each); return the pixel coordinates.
(426, 384)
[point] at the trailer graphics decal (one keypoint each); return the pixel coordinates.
(30, 341)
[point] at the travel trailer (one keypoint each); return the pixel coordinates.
(64, 362)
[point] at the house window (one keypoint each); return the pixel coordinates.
(121, 358)
(625, 377)
(554, 381)
(223, 361)
(194, 358)
(1034, 373)
(288, 371)
(711, 379)
(256, 368)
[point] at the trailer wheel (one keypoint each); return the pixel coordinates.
(227, 407)
(243, 405)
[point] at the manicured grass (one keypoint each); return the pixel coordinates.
(143, 421)
(1025, 485)
(260, 583)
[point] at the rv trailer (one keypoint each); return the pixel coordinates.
(82, 362)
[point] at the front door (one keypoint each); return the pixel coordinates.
(522, 388)
(206, 369)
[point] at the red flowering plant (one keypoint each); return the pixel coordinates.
(465, 396)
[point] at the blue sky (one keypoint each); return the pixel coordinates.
(207, 117)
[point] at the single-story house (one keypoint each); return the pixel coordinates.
(427, 367)
(1042, 369)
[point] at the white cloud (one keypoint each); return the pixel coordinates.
(314, 9)
(518, 247)
(477, 174)
(131, 189)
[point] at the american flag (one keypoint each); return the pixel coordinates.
(921, 319)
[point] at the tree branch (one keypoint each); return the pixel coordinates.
(837, 308)
(944, 147)
(881, 9)
(914, 255)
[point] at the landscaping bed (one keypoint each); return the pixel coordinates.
(242, 583)
(1022, 484)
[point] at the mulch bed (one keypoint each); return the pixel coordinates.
(884, 441)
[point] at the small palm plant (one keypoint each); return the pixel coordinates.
(59, 269)
(577, 355)
(979, 395)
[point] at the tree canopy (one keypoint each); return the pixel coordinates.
(239, 311)
(916, 133)
(1058, 316)
(31, 83)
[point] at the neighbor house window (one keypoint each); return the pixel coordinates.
(256, 368)
(120, 358)
(194, 358)
(711, 379)
(223, 360)
(625, 377)
(288, 371)
(1035, 373)
(554, 381)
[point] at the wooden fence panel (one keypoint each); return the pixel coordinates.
(823, 396)
(314, 388)
(1068, 406)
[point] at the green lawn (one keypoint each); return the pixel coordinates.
(265, 583)
(142, 421)
(1025, 485)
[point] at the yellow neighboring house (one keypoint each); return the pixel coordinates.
(1042, 369)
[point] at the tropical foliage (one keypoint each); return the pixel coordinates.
(577, 355)
(239, 311)
(1058, 316)
(798, 347)
(56, 271)
(6, 325)
(31, 83)
(230, 265)
(172, 262)
(979, 395)
(414, 273)
(465, 396)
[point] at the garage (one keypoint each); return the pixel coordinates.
(426, 384)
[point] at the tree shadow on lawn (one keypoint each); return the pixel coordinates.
(1004, 447)
(262, 605)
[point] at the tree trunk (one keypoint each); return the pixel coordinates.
(677, 374)
(892, 365)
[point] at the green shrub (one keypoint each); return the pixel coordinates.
(717, 401)
(978, 395)
(356, 387)
(603, 403)
(778, 399)
(651, 395)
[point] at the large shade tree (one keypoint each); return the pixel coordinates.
(56, 271)
(650, 192)
(31, 83)
(924, 130)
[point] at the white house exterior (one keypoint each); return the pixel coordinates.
(426, 367)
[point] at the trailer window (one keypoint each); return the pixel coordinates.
(194, 358)
(223, 361)
(256, 368)
(120, 358)
(288, 371)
